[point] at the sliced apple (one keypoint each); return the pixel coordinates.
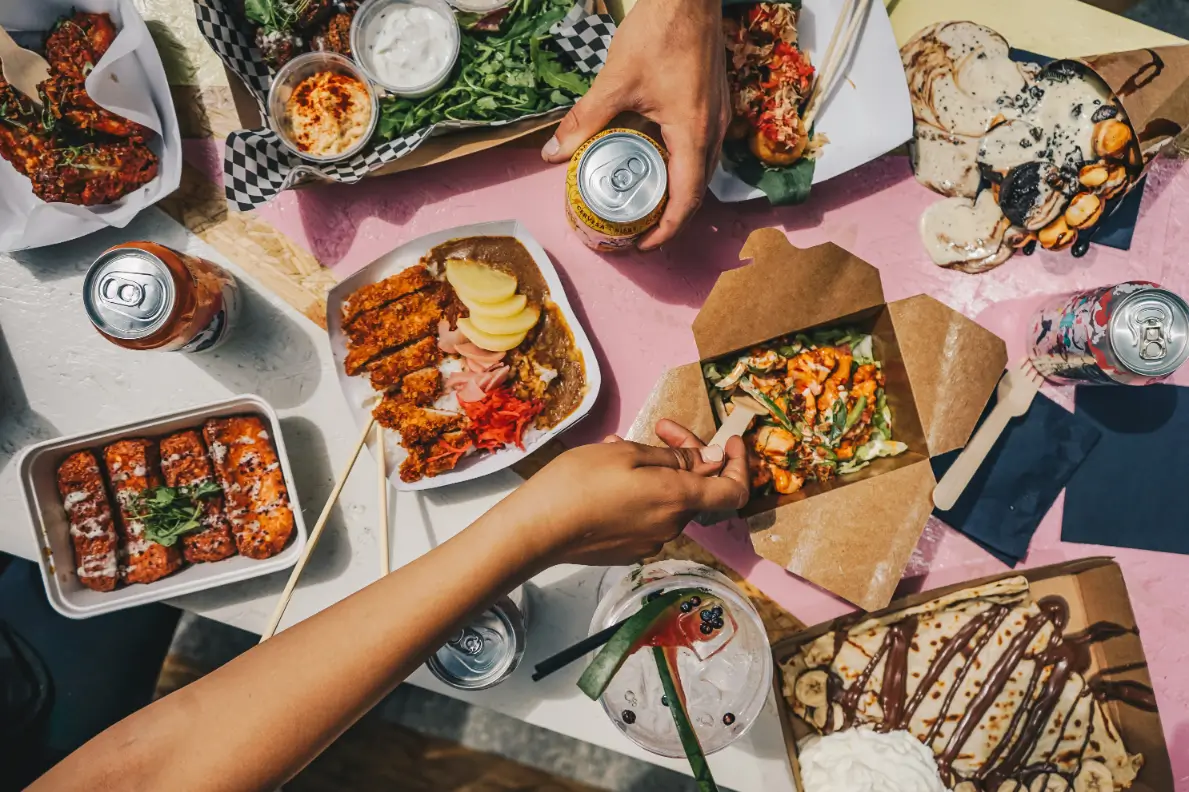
(509, 307)
(520, 323)
(478, 282)
(489, 341)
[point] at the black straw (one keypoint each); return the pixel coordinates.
(567, 656)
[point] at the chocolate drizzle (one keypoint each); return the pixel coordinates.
(1059, 663)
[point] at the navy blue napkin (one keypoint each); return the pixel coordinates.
(1019, 480)
(1133, 491)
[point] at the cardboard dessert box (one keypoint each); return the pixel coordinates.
(1096, 592)
(854, 535)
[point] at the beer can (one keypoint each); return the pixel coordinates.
(486, 651)
(617, 186)
(1135, 333)
(141, 295)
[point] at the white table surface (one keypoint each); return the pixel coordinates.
(58, 376)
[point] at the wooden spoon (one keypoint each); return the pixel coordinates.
(22, 68)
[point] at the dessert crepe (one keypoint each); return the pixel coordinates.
(984, 677)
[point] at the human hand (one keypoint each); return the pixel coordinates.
(666, 62)
(617, 502)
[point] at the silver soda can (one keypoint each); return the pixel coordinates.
(145, 296)
(1135, 333)
(486, 651)
(616, 188)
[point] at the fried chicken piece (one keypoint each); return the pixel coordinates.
(417, 425)
(76, 43)
(415, 317)
(336, 36)
(377, 295)
(133, 469)
(21, 133)
(67, 99)
(184, 463)
(367, 327)
(388, 371)
(247, 468)
(432, 460)
(92, 174)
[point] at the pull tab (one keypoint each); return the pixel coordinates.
(137, 295)
(1149, 326)
(618, 178)
(468, 641)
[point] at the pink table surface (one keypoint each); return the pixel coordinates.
(637, 310)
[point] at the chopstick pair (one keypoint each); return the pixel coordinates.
(832, 65)
(319, 526)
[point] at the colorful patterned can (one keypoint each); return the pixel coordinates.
(617, 186)
(1135, 333)
(141, 295)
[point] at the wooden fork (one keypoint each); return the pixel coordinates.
(746, 409)
(22, 68)
(1016, 391)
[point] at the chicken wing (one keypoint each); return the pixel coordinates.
(132, 468)
(76, 43)
(91, 530)
(21, 138)
(67, 100)
(247, 468)
(92, 174)
(184, 464)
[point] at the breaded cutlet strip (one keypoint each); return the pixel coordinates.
(374, 324)
(132, 469)
(432, 460)
(91, 530)
(395, 328)
(247, 468)
(390, 371)
(375, 295)
(184, 464)
(417, 425)
(421, 388)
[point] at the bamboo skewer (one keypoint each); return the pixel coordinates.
(315, 535)
(382, 498)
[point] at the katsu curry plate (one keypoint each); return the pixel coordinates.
(463, 346)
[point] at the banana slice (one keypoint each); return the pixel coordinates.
(1094, 777)
(520, 323)
(811, 689)
(515, 304)
(488, 341)
(479, 282)
(966, 786)
(1049, 782)
(1011, 786)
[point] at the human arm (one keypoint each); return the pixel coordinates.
(258, 720)
(667, 63)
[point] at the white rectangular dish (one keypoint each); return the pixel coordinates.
(866, 115)
(360, 397)
(38, 468)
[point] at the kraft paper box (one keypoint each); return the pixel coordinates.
(852, 536)
(1096, 592)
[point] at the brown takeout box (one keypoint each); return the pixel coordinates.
(854, 535)
(1096, 592)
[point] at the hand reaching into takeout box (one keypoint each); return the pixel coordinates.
(666, 63)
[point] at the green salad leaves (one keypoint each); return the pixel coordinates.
(501, 75)
(170, 512)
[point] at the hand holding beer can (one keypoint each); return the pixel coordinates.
(616, 188)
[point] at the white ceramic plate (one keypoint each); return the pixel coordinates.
(360, 395)
(867, 115)
(51, 529)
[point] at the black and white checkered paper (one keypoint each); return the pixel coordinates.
(257, 166)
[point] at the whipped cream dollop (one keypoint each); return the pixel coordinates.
(863, 760)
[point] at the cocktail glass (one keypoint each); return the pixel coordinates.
(726, 679)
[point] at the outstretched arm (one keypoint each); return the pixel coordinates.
(265, 715)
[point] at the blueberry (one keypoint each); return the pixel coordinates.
(706, 628)
(707, 616)
(695, 601)
(717, 624)
(728, 719)
(664, 701)
(629, 717)
(686, 607)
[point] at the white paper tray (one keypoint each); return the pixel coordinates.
(358, 391)
(869, 112)
(38, 468)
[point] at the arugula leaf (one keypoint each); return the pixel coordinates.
(554, 75)
(259, 11)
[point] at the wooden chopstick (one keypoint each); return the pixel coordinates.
(854, 16)
(315, 535)
(382, 498)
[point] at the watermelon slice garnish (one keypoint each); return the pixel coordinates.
(666, 666)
